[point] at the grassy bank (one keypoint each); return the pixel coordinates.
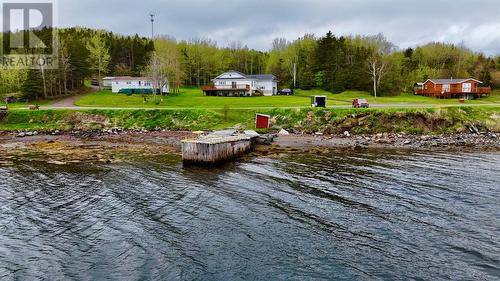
(413, 121)
(357, 121)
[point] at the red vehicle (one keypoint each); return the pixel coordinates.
(360, 103)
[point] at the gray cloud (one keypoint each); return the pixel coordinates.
(255, 23)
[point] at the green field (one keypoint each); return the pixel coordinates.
(27, 104)
(346, 98)
(194, 98)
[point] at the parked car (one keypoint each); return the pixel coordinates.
(94, 82)
(360, 103)
(286, 92)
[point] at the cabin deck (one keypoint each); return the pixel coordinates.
(227, 90)
(480, 92)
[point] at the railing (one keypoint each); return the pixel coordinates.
(226, 87)
(485, 90)
(427, 92)
(452, 91)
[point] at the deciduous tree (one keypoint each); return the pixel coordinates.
(98, 55)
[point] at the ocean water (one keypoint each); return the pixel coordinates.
(365, 215)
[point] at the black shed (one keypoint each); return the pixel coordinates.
(318, 101)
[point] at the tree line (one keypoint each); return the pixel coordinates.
(82, 54)
(366, 62)
(330, 62)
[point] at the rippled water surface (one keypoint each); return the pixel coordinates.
(370, 215)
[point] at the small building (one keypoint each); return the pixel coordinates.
(318, 101)
(468, 88)
(107, 82)
(234, 83)
(134, 85)
(262, 121)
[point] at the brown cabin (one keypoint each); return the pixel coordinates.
(452, 88)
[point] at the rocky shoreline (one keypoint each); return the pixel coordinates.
(58, 147)
(109, 146)
(399, 141)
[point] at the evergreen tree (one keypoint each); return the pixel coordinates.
(32, 88)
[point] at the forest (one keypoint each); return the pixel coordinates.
(330, 62)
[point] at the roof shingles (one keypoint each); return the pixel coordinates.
(452, 81)
(253, 76)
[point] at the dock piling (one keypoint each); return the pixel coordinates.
(215, 149)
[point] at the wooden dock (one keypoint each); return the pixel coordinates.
(215, 149)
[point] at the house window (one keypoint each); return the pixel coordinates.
(446, 88)
(129, 83)
(234, 85)
(466, 87)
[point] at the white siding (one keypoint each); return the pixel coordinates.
(107, 82)
(118, 85)
(230, 75)
(269, 87)
(226, 80)
(229, 82)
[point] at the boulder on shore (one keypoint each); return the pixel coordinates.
(251, 133)
(283, 132)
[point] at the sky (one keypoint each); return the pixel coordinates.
(255, 23)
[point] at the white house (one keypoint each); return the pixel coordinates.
(234, 83)
(133, 85)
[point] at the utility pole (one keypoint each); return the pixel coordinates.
(152, 26)
(154, 61)
(294, 75)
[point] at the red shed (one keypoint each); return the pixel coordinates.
(262, 121)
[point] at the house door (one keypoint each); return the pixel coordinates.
(234, 85)
(446, 88)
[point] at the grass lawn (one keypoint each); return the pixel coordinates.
(194, 98)
(346, 98)
(27, 104)
(191, 98)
